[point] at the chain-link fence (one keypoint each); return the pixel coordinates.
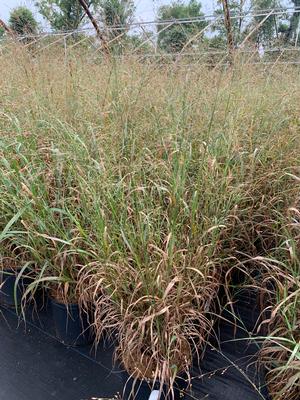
(264, 36)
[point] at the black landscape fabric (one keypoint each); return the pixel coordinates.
(35, 366)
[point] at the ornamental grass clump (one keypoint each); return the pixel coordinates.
(280, 352)
(166, 261)
(140, 189)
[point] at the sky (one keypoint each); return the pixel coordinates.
(145, 9)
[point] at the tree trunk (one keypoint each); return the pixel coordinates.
(6, 28)
(96, 26)
(228, 27)
(294, 21)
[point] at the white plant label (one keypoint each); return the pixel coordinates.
(154, 395)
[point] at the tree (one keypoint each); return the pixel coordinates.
(140, 43)
(117, 13)
(269, 28)
(228, 27)
(241, 26)
(294, 21)
(237, 24)
(65, 15)
(22, 21)
(177, 35)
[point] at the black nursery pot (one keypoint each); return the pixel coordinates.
(8, 296)
(71, 326)
(142, 390)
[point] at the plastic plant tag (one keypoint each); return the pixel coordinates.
(154, 395)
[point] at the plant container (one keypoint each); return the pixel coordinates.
(71, 326)
(11, 291)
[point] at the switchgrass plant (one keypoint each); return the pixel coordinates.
(143, 187)
(281, 347)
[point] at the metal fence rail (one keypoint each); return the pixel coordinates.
(142, 39)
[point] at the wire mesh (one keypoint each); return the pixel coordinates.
(261, 35)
